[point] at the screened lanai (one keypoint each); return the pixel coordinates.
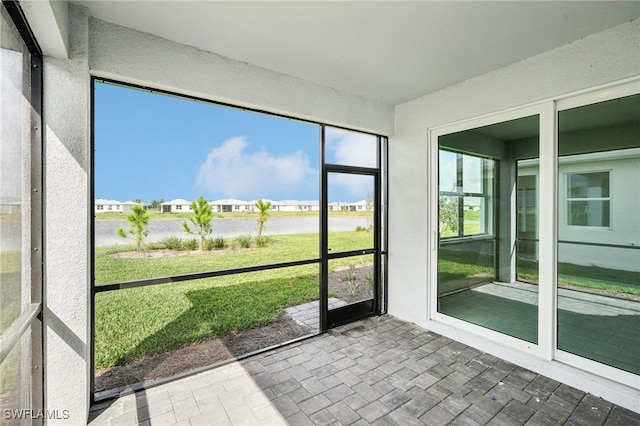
(508, 226)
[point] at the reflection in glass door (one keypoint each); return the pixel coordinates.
(598, 267)
(487, 209)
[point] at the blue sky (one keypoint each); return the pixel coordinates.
(150, 146)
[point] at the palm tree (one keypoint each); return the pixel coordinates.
(263, 208)
(138, 220)
(202, 216)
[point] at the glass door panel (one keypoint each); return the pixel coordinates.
(350, 212)
(351, 262)
(484, 175)
(599, 232)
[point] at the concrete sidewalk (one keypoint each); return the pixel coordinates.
(378, 371)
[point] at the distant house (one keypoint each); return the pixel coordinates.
(126, 206)
(338, 206)
(108, 206)
(361, 206)
(176, 206)
(297, 206)
(358, 206)
(231, 205)
(112, 206)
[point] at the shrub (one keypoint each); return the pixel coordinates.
(369, 279)
(155, 246)
(244, 241)
(360, 228)
(191, 244)
(262, 241)
(352, 282)
(172, 243)
(214, 243)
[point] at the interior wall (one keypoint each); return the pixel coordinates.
(108, 50)
(601, 58)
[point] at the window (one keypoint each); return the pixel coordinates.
(588, 202)
(465, 189)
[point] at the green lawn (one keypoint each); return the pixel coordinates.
(135, 322)
(282, 248)
(145, 320)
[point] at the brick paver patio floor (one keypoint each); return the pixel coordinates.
(379, 371)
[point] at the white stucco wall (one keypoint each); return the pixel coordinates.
(68, 208)
(601, 58)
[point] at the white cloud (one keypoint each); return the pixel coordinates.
(350, 148)
(356, 187)
(230, 171)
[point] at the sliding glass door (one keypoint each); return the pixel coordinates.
(536, 231)
(482, 177)
(598, 266)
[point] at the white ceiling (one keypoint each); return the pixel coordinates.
(387, 51)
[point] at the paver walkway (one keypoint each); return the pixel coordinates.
(308, 314)
(379, 371)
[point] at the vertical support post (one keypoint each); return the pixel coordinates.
(547, 229)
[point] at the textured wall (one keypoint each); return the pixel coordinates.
(133, 56)
(67, 209)
(600, 58)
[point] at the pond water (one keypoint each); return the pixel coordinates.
(105, 231)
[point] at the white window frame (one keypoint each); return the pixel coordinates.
(545, 111)
(588, 97)
(487, 213)
(568, 199)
